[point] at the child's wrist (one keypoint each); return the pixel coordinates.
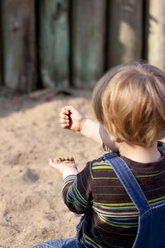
(83, 125)
(69, 171)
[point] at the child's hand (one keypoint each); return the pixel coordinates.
(71, 118)
(65, 166)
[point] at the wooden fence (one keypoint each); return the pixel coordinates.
(62, 43)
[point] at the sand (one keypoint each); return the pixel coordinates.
(31, 205)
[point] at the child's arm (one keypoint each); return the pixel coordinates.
(72, 119)
(76, 189)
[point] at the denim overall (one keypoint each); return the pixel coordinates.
(151, 223)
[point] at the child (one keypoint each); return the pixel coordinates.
(129, 101)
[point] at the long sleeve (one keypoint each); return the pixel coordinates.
(77, 191)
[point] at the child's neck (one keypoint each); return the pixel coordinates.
(138, 153)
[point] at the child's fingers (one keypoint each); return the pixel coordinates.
(55, 162)
(64, 116)
(69, 159)
(68, 110)
(51, 163)
(64, 125)
(64, 121)
(65, 110)
(60, 159)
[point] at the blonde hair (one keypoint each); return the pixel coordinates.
(130, 102)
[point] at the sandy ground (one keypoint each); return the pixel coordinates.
(31, 206)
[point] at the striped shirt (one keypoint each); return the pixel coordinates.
(111, 218)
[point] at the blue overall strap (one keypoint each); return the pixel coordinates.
(128, 181)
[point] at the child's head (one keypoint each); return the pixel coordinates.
(129, 101)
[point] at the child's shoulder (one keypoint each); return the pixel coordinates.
(99, 168)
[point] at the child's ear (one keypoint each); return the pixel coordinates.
(118, 140)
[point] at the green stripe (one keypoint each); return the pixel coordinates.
(72, 202)
(111, 224)
(90, 169)
(111, 214)
(99, 162)
(152, 175)
(92, 240)
(128, 203)
(118, 208)
(102, 167)
(128, 223)
(109, 167)
(116, 178)
(114, 204)
(157, 199)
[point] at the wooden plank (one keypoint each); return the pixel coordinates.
(156, 33)
(54, 42)
(88, 40)
(19, 44)
(125, 31)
